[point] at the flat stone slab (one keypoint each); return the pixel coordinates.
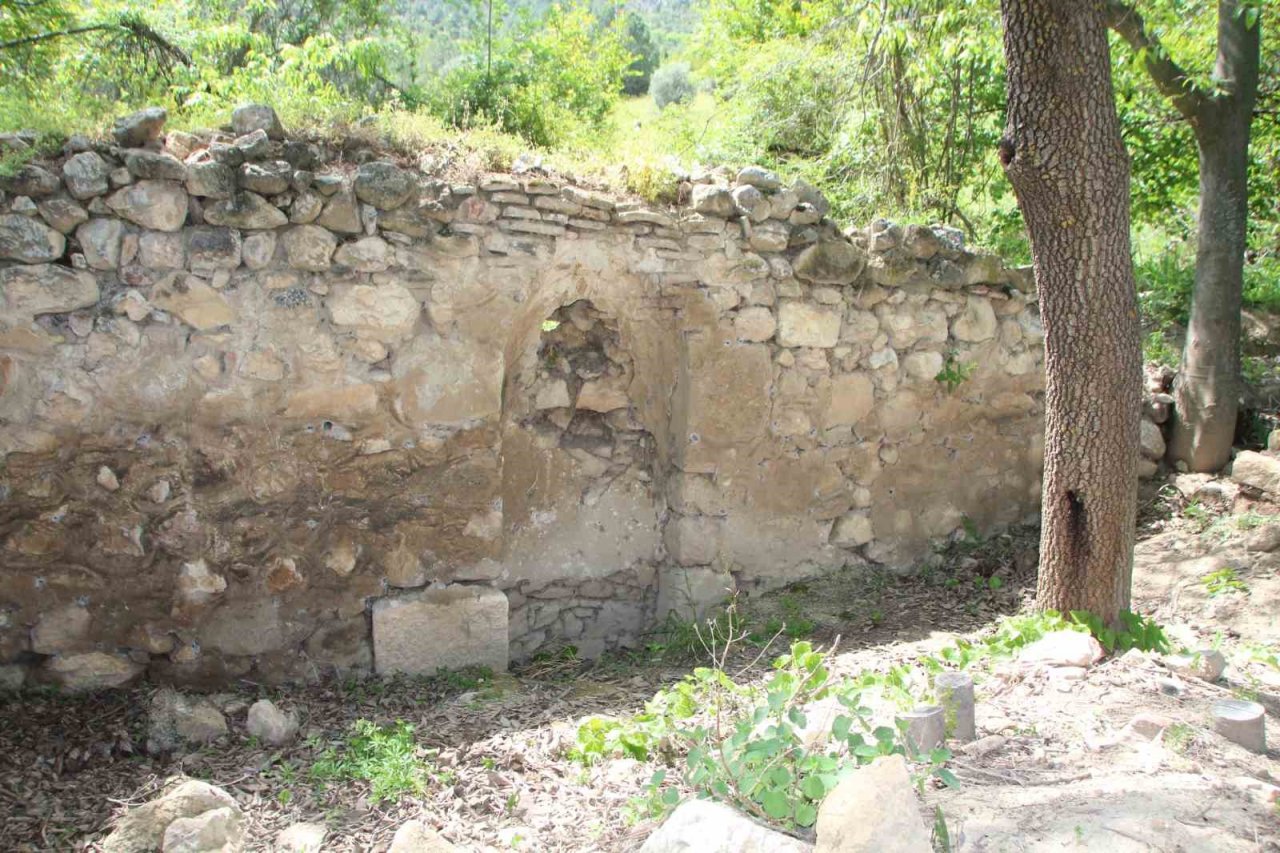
(451, 627)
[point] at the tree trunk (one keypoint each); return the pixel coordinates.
(1207, 390)
(1064, 156)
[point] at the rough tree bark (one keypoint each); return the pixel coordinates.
(1207, 390)
(1064, 156)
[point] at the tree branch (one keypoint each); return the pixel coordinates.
(1172, 81)
(56, 34)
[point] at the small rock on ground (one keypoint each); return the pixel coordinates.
(1063, 648)
(873, 811)
(142, 829)
(703, 826)
(415, 837)
(301, 838)
(270, 724)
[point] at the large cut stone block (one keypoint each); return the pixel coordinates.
(451, 627)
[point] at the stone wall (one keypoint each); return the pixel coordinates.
(252, 387)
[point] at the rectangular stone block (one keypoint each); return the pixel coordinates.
(451, 627)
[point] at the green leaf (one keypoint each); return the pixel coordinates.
(948, 778)
(775, 804)
(806, 814)
(813, 787)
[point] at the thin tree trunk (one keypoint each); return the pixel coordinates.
(1207, 390)
(1063, 154)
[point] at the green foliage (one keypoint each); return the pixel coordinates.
(744, 744)
(672, 84)
(656, 184)
(1223, 581)
(954, 372)
(1135, 632)
(548, 79)
(387, 757)
(1156, 349)
(639, 44)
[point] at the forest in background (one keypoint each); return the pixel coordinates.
(892, 107)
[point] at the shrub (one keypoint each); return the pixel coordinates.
(384, 756)
(671, 84)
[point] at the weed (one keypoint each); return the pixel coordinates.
(387, 757)
(1222, 582)
(954, 372)
(466, 678)
(1157, 349)
(941, 835)
(1179, 737)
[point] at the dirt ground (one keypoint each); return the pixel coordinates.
(1058, 767)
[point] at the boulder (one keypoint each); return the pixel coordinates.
(342, 212)
(830, 262)
(713, 200)
(1258, 470)
(247, 118)
(415, 837)
(383, 185)
(852, 530)
(32, 181)
(452, 627)
(210, 247)
(60, 630)
(154, 165)
(309, 247)
(29, 291)
(175, 719)
(142, 829)
(26, 239)
(976, 323)
(301, 838)
(138, 129)
(266, 178)
(214, 831)
(62, 213)
(246, 210)
(703, 826)
(1063, 648)
(93, 670)
(1204, 664)
(760, 178)
(158, 205)
(99, 240)
(873, 810)
(751, 203)
(1265, 539)
(271, 725)
(1152, 441)
(369, 254)
(86, 175)
(801, 324)
(211, 180)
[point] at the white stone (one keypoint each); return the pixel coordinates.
(414, 836)
(93, 670)
(449, 627)
(143, 828)
(754, 324)
(803, 325)
(852, 530)
(301, 838)
(386, 313)
(175, 719)
(873, 810)
(976, 323)
(271, 725)
(197, 584)
(704, 826)
(1152, 441)
(60, 630)
(214, 831)
(1259, 470)
(1063, 648)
